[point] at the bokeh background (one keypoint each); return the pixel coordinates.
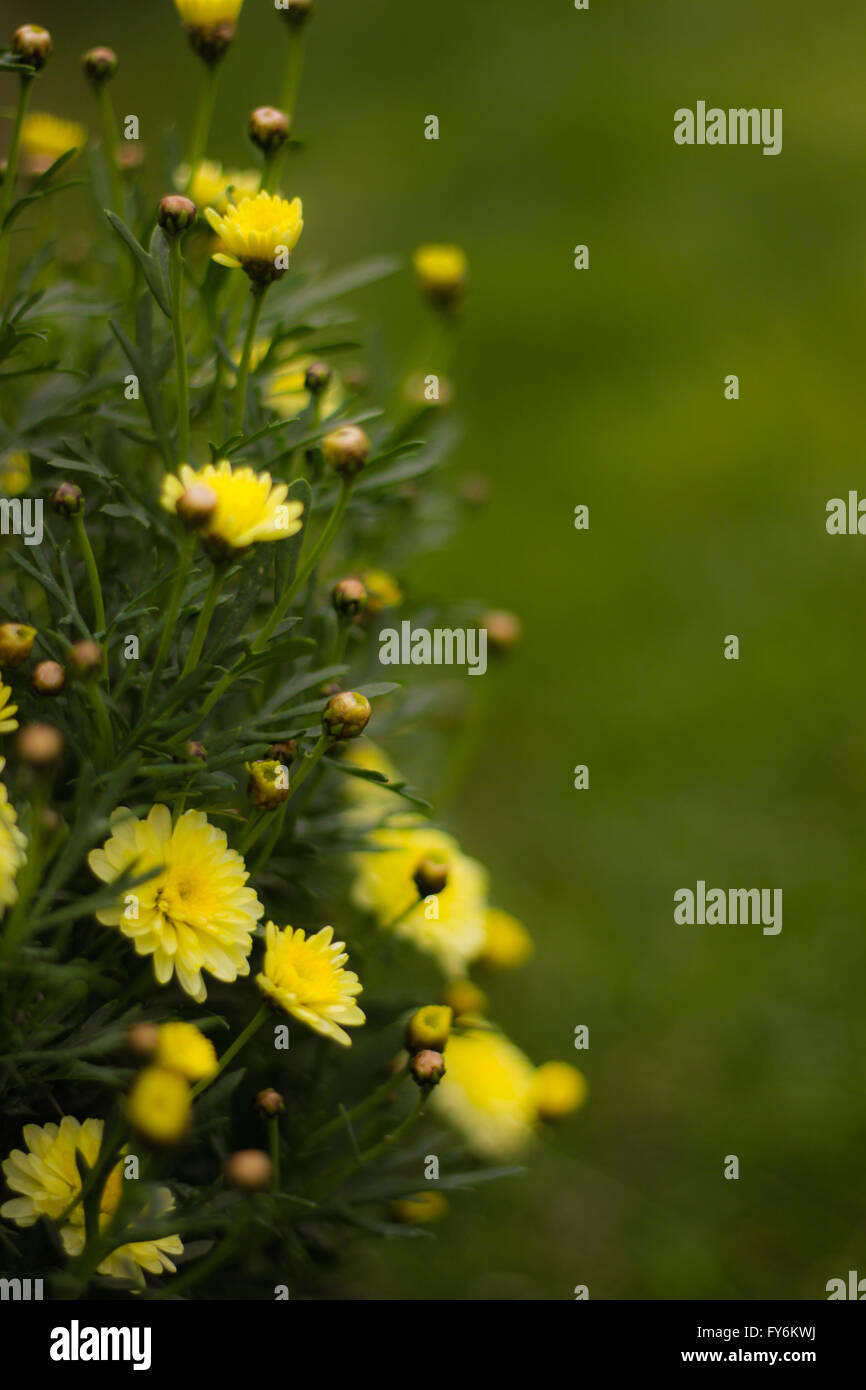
(605, 387)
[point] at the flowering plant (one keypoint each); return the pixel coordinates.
(236, 955)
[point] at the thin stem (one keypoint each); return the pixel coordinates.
(385, 1144)
(174, 602)
(7, 191)
(240, 1041)
(203, 119)
(181, 365)
(378, 1097)
(218, 579)
(324, 743)
(240, 399)
(103, 725)
(316, 555)
(274, 1128)
(92, 573)
(292, 71)
(109, 145)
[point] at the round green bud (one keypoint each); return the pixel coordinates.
(32, 44)
(427, 1068)
(100, 65)
(297, 12)
(16, 644)
(346, 715)
(85, 657)
(348, 597)
(67, 499)
(48, 678)
(269, 128)
(269, 1102)
(317, 378)
(429, 1028)
(430, 877)
(175, 213)
(347, 450)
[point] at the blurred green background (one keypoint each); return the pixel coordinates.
(605, 387)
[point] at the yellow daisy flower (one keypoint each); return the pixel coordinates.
(210, 183)
(306, 977)
(196, 913)
(13, 848)
(8, 724)
(487, 1093)
(159, 1104)
(181, 1047)
(453, 931)
(44, 138)
(198, 13)
(249, 507)
(287, 392)
(507, 942)
(441, 271)
(47, 1176)
(557, 1090)
(258, 235)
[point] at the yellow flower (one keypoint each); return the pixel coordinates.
(307, 978)
(557, 1090)
(44, 138)
(182, 1048)
(15, 473)
(13, 848)
(441, 271)
(199, 13)
(8, 724)
(258, 234)
(420, 1210)
(48, 1177)
(487, 1093)
(196, 913)
(383, 591)
(210, 184)
(507, 944)
(451, 927)
(288, 395)
(249, 507)
(159, 1104)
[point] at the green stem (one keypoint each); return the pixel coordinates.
(240, 399)
(203, 119)
(385, 1144)
(240, 1041)
(274, 1128)
(181, 364)
(7, 191)
(103, 725)
(174, 602)
(316, 555)
(218, 579)
(292, 71)
(272, 840)
(378, 1097)
(324, 743)
(109, 144)
(92, 573)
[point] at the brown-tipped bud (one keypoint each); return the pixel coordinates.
(39, 744)
(269, 128)
(269, 784)
(85, 657)
(175, 213)
(16, 644)
(427, 1068)
(430, 877)
(284, 752)
(317, 378)
(346, 715)
(67, 499)
(503, 630)
(142, 1038)
(100, 65)
(249, 1169)
(270, 1102)
(347, 450)
(296, 12)
(211, 41)
(196, 506)
(349, 597)
(48, 678)
(429, 1028)
(196, 750)
(32, 44)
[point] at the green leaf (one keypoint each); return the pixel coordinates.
(151, 269)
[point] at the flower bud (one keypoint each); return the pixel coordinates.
(142, 1038)
(211, 42)
(428, 1028)
(430, 877)
(442, 273)
(175, 213)
(348, 597)
(39, 744)
(297, 12)
(270, 1102)
(420, 1209)
(67, 499)
(557, 1090)
(100, 65)
(347, 450)
(16, 644)
(269, 784)
(427, 1068)
(196, 750)
(286, 753)
(346, 715)
(130, 157)
(158, 1105)
(15, 466)
(32, 44)
(317, 378)
(48, 678)
(196, 506)
(503, 630)
(249, 1168)
(50, 820)
(269, 128)
(465, 998)
(85, 657)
